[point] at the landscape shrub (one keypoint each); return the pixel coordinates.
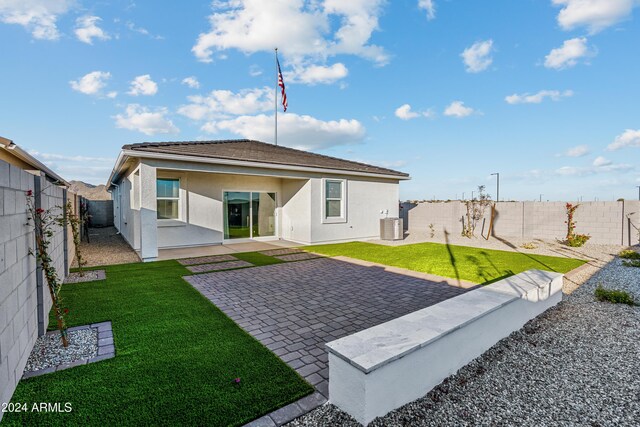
(614, 296)
(629, 254)
(574, 240)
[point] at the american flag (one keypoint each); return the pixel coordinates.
(281, 84)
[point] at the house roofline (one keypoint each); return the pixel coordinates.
(18, 152)
(125, 154)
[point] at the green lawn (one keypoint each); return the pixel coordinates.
(176, 358)
(466, 263)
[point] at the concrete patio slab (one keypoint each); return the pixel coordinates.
(295, 308)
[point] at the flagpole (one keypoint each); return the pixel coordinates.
(275, 101)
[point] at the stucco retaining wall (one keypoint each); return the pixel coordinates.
(384, 367)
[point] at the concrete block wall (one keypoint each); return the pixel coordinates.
(631, 215)
(605, 222)
(445, 216)
(19, 294)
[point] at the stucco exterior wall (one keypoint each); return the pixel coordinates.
(202, 212)
(365, 200)
(296, 220)
(298, 205)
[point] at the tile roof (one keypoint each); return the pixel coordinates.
(259, 152)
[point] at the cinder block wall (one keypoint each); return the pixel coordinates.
(606, 222)
(19, 320)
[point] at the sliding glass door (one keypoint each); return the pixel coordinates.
(248, 215)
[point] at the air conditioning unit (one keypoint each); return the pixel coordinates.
(391, 229)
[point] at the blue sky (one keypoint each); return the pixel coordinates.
(543, 91)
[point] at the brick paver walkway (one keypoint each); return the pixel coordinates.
(207, 259)
(302, 256)
(203, 268)
(295, 308)
(284, 251)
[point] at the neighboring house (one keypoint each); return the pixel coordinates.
(13, 154)
(179, 194)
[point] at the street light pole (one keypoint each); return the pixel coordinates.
(497, 174)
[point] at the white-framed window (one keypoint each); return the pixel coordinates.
(168, 198)
(334, 193)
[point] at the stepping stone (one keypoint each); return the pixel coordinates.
(207, 259)
(284, 251)
(298, 256)
(203, 268)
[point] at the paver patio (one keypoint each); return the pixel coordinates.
(295, 308)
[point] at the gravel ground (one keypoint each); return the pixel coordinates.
(85, 276)
(48, 350)
(106, 248)
(576, 364)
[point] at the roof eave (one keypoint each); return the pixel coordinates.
(18, 152)
(214, 160)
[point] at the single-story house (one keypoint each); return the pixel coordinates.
(181, 194)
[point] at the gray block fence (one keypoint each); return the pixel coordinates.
(24, 298)
(607, 222)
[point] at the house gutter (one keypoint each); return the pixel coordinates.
(18, 152)
(125, 154)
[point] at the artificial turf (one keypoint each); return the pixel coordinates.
(177, 356)
(467, 263)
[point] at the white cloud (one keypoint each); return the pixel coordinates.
(191, 81)
(255, 70)
(143, 85)
(132, 27)
(404, 112)
(596, 15)
(112, 94)
(537, 98)
(429, 6)
(577, 151)
(222, 103)
(302, 132)
(87, 30)
(568, 54)
(477, 57)
(629, 138)
(600, 165)
(458, 109)
(601, 161)
(37, 16)
(301, 29)
(78, 158)
(91, 83)
(84, 168)
(317, 74)
(144, 120)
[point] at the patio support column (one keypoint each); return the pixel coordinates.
(148, 214)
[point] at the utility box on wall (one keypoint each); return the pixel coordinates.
(391, 229)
